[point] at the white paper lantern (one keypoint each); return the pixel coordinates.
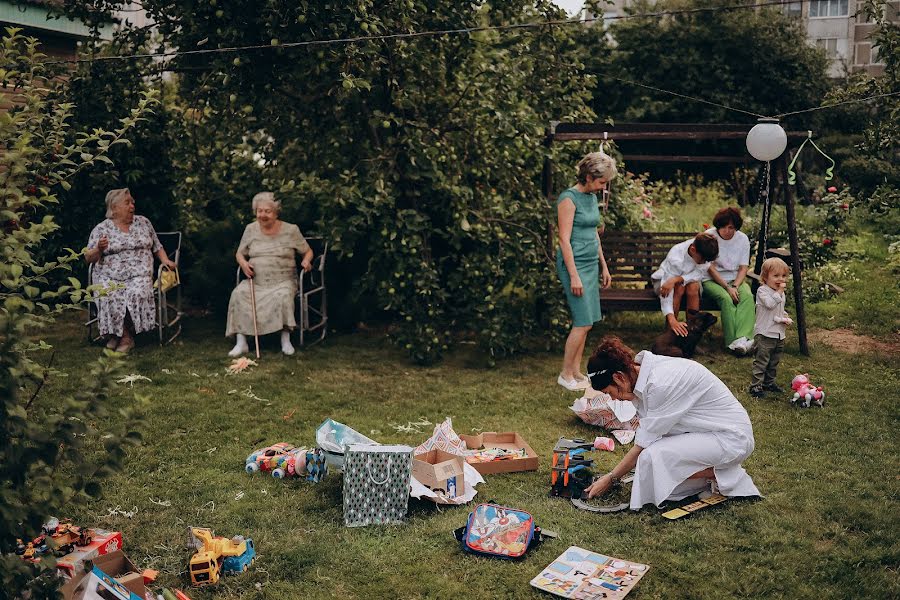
(767, 140)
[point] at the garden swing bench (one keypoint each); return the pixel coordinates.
(632, 256)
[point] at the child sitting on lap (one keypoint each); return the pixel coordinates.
(680, 274)
(771, 321)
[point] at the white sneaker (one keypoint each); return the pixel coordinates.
(573, 385)
(286, 347)
(240, 347)
(737, 344)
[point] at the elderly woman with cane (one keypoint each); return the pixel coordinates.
(264, 302)
(122, 249)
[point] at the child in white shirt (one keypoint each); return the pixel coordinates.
(771, 321)
(680, 274)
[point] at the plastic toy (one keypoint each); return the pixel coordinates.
(283, 459)
(805, 393)
(216, 556)
(58, 537)
(569, 473)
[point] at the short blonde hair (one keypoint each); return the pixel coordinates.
(113, 197)
(598, 165)
(773, 265)
(265, 197)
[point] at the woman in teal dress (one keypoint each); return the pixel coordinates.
(579, 259)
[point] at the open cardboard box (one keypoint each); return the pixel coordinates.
(510, 440)
(114, 574)
(440, 471)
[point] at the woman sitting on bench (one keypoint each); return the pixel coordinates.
(725, 281)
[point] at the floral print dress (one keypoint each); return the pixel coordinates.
(128, 262)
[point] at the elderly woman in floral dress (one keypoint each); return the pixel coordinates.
(266, 255)
(122, 249)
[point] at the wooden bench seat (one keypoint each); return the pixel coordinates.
(632, 257)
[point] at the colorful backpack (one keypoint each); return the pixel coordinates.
(500, 532)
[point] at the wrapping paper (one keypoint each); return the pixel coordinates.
(444, 438)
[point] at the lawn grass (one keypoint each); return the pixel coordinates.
(826, 529)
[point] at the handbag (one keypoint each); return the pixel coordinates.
(500, 532)
(376, 484)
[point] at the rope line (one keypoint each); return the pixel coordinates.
(680, 95)
(416, 34)
(824, 106)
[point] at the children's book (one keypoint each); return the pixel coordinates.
(586, 575)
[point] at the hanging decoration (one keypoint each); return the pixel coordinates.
(829, 172)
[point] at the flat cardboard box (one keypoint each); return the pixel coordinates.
(104, 542)
(440, 471)
(118, 566)
(510, 440)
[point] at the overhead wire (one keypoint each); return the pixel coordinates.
(484, 28)
(418, 34)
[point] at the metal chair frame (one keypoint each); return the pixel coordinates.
(311, 299)
(168, 309)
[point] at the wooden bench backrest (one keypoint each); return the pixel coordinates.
(632, 256)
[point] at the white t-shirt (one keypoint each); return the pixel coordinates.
(733, 254)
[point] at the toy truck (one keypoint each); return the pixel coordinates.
(217, 556)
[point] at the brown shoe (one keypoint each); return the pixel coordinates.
(125, 346)
(112, 343)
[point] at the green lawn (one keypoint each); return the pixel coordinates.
(826, 529)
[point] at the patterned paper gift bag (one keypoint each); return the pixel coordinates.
(376, 484)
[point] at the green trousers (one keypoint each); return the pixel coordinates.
(737, 319)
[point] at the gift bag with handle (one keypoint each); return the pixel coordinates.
(376, 484)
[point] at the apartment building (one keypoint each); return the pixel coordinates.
(836, 26)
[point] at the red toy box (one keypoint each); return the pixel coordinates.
(104, 542)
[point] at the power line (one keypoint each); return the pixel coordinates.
(824, 106)
(680, 95)
(418, 34)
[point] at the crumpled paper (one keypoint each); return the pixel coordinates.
(617, 416)
(444, 438)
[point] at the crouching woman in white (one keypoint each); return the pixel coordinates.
(693, 436)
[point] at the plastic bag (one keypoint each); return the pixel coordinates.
(333, 437)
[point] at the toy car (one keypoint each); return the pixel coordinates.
(283, 459)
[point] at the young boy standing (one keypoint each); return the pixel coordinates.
(771, 321)
(680, 274)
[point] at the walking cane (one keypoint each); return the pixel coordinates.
(255, 327)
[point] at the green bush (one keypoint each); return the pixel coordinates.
(49, 447)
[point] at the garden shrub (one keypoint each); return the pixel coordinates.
(49, 447)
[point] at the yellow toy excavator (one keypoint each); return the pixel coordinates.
(217, 555)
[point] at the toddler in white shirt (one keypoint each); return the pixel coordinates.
(771, 321)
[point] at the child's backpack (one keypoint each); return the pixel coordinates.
(500, 532)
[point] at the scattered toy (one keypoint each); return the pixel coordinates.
(239, 365)
(688, 509)
(805, 393)
(283, 459)
(586, 575)
(216, 556)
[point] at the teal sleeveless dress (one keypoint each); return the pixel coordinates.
(585, 308)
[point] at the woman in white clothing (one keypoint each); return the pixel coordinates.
(693, 436)
(726, 280)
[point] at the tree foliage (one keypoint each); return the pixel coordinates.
(419, 159)
(756, 60)
(876, 161)
(48, 447)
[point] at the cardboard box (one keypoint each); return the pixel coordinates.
(118, 566)
(508, 441)
(440, 471)
(97, 585)
(104, 542)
